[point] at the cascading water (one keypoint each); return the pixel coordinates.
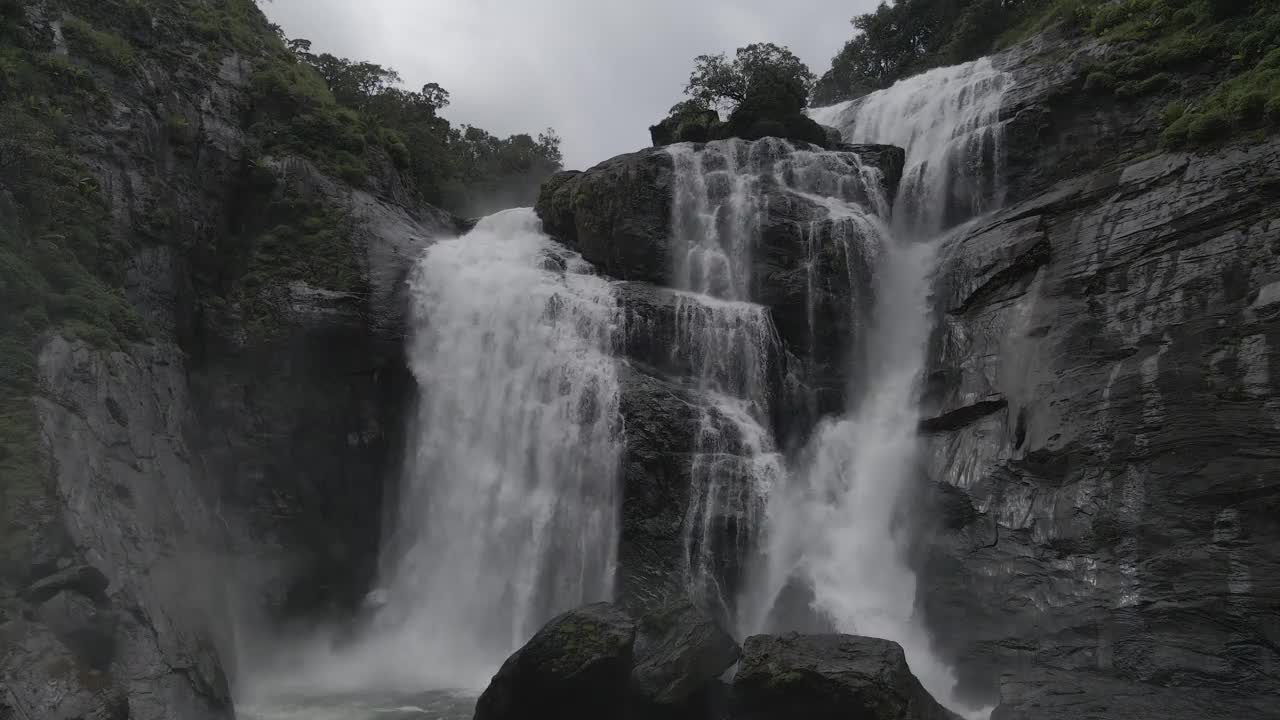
(724, 338)
(831, 531)
(507, 511)
(721, 192)
(508, 507)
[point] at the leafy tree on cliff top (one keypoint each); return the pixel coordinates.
(764, 88)
(720, 83)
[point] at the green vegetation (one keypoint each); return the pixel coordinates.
(1232, 42)
(306, 240)
(104, 48)
(350, 116)
(60, 264)
(765, 89)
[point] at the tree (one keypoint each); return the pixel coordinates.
(719, 83)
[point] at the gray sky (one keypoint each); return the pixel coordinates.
(598, 71)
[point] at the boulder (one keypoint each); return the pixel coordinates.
(828, 677)
(680, 654)
(616, 214)
(85, 580)
(577, 667)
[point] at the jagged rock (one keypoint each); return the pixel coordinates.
(44, 679)
(811, 270)
(1103, 403)
(617, 214)
(83, 579)
(663, 419)
(577, 667)
(828, 677)
(87, 630)
(680, 654)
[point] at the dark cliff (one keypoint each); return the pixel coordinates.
(1099, 413)
(224, 453)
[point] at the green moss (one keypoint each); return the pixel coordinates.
(61, 267)
(100, 46)
(306, 240)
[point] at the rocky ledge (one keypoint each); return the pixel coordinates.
(600, 662)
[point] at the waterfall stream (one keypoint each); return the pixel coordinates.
(831, 532)
(508, 506)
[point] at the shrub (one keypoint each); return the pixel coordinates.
(102, 47)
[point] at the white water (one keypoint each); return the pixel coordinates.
(720, 195)
(833, 528)
(510, 499)
(725, 340)
(508, 507)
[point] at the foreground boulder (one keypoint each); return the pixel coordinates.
(597, 662)
(680, 654)
(820, 677)
(576, 667)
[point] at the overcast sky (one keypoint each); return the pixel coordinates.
(599, 71)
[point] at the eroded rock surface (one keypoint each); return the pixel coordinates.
(826, 677)
(1102, 395)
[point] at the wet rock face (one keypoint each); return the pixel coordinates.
(599, 661)
(680, 655)
(210, 467)
(576, 667)
(1102, 408)
(828, 677)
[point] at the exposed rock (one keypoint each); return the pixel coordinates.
(186, 467)
(576, 668)
(135, 505)
(1102, 393)
(662, 420)
(680, 654)
(810, 269)
(826, 677)
(44, 679)
(85, 629)
(617, 214)
(83, 579)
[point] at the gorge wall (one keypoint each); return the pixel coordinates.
(1094, 516)
(229, 466)
(1100, 397)
(1095, 512)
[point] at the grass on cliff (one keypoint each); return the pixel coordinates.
(61, 267)
(1234, 41)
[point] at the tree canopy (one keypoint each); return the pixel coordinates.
(764, 89)
(720, 83)
(336, 110)
(909, 36)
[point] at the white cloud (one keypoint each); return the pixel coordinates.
(598, 71)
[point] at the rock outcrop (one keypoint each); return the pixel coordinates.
(828, 677)
(598, 661)
(576, 667)
(680, 655)
(809, 280)
(232, 462)
(1102, 412)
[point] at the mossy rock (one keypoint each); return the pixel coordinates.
(575, 668)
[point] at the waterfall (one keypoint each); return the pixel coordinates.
(831, 535)
(721, 192)
(724, 340)
(507, 511)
